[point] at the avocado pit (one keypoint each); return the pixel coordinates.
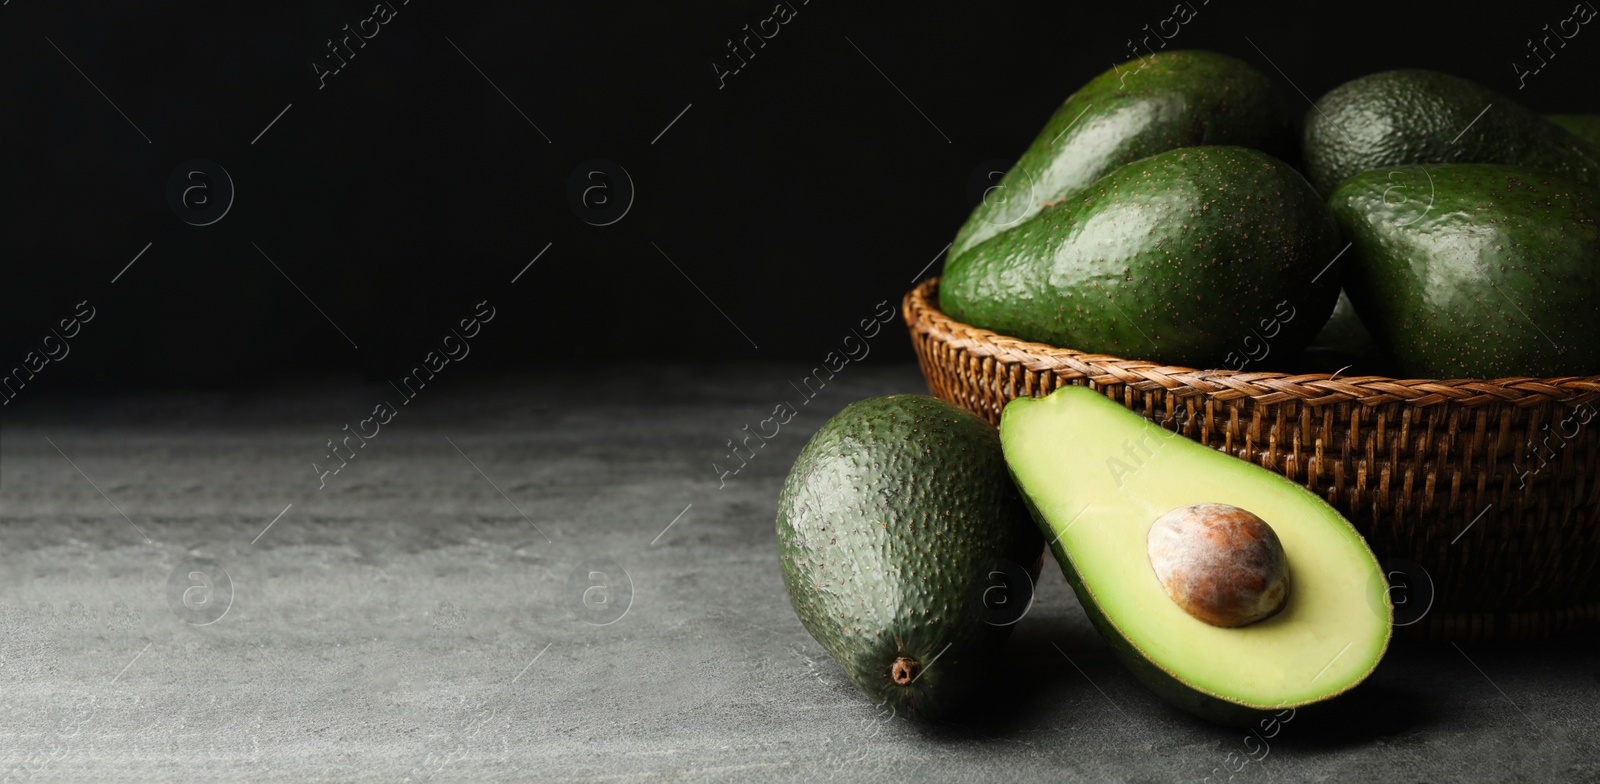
(1220, 563)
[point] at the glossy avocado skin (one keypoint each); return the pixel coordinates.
(1405, 117)
(1189, 257)
(886, 528)
(1488, 273)
(1584, 126)
(1168, 100)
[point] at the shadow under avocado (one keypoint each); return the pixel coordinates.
(1416, 689)
(1033, 681)
(1030, 681)
(1379, 708)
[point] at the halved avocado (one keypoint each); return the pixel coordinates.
(1097, 477)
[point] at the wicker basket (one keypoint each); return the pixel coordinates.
(1424, 469)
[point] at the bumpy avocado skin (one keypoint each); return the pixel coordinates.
(887, 526)
(1584, 126)
(1405, 117)
(1188, 257)
(1167, 100)
(1476, 270)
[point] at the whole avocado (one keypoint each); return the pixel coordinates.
(1475, 270)
(1200, 256)
(897, 526)
(1404, 117)
(1167, 100)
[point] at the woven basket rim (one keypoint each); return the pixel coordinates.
(1313, 389)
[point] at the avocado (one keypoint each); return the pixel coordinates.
(1405, 117)
(1475, 270)
(1228, 590)
(895, 526)
(1584, 126)
(1167, 100)
(1200, 256)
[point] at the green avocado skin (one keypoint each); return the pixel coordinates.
(1137, 109)
(1192, 257)
(887, 526)
(1475, 270)
(1584, 126)
(1406, 117)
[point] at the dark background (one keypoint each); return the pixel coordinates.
(797, 197)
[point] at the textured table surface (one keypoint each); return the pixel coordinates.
(419, 617)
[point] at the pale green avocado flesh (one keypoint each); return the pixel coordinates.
(1097, 476)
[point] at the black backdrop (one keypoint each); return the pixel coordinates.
(795, 194)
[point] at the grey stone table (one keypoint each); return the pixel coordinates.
(418, 617)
